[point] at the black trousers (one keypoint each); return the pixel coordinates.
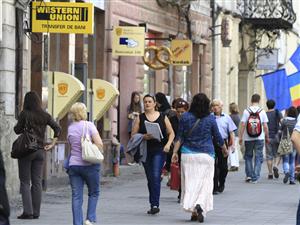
(221, 168)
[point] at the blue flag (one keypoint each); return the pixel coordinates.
(277, 88)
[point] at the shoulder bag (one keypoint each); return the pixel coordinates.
(285, 145)
(90, 152)
(25, 144)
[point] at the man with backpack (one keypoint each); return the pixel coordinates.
(254, 131)
(274, 117)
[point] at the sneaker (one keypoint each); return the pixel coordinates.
(253, 181)
(286, 178)
(275, 171)
(248, 179)
(87, 222)
(292, 182)
(132, 164)
(270, 176)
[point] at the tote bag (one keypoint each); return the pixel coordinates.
(90, 152)
(285, 145)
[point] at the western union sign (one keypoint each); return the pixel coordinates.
(62, 17)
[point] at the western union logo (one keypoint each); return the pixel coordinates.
(62, 17)
(62, 13)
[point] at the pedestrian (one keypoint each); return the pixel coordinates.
(274, 117)
(288, 161)
(234, 148)
(33, 118)
(226, 128)
(80, 171)
(181, 106)
(163, 105)
(4, 204)
(134, 109)
(296, 141)
(254, 131)
(156, 150)
(197, 129)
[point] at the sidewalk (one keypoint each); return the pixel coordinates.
(124, 201)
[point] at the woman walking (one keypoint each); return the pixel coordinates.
(196, 130)
(80, 171)
(234, 148)
(155, 149)
(35, 119)
(288, 161)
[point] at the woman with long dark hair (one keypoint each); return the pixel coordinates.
(35, 119)
(156, 149)
(194, 137)
(163, 105)
(134, 109)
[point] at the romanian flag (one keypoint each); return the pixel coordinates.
(294, 86)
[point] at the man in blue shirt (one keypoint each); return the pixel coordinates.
(226, 128)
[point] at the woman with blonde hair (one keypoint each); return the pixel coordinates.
(234, 148)
(80, 171)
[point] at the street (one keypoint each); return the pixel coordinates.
(124, 201)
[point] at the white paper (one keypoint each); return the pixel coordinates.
(154, 130)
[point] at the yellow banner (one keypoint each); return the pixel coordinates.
(62, 17)
(182, 52)
(128, 41)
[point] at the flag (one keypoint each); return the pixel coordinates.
(293, 73)
(294, 86)
(277, 88)
(293, 65)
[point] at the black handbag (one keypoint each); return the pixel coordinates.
(25, 144)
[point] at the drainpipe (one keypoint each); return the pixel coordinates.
(215, 68)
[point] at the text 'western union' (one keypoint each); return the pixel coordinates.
(59, 13)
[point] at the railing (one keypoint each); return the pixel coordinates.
(268, 14)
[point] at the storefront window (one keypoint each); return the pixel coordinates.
(149, 80)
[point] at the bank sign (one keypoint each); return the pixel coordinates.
(62, 17)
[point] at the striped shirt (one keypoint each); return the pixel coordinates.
(288, 123)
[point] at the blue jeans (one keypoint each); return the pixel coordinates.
(288, 164)
(253, 148)
(78, 176)
(298, 214)
(153, 167)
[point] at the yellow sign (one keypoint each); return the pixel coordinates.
(182, 52)
(128, 41)
(104, 97)
(62, 17)
(64, 91)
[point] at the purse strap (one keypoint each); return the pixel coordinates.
(84, 130)
(193, 128)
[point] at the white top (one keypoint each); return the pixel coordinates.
(297, 127)
(263, 119)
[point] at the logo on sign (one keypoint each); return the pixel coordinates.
(100, 93)
(119, 31)
(63, 88)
